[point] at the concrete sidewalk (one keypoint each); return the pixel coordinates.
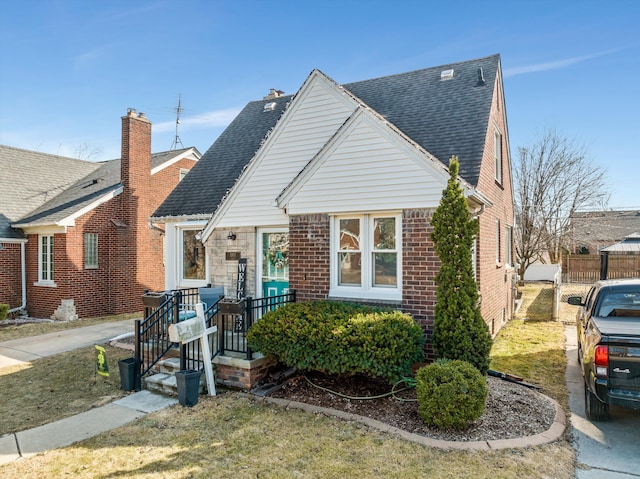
(81, 426)
(66, 431)
(30, 348)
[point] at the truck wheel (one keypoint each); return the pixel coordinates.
(596, 410)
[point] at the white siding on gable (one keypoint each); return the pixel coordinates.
(316, 114)
(366, 170)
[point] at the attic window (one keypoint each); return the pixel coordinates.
(446, 74)
(270, 106)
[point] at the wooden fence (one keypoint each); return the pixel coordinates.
(585, 268)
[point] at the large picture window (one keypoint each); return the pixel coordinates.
(366, 256)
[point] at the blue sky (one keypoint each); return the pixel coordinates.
(70, 69)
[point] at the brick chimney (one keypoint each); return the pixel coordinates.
(135, 169)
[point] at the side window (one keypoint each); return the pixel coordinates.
(498, 155)
(90, 250)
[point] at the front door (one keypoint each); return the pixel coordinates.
(275, 263)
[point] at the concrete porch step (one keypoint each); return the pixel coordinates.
(167, 384)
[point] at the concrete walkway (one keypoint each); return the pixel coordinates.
(81, 426)
(605, 449)
(30, 348)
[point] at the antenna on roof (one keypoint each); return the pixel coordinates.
(177, 141)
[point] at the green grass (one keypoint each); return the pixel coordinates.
(231, 436)
(236, 437)
(54, 387)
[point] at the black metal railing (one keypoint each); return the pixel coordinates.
(232, 318)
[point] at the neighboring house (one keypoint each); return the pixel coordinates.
(330, 191)
(73, 229)
(593, 230)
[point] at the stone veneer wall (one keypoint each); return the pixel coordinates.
(223, 272)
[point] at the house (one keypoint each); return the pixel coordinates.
(593, 230)
(330, 191)
(73, 229)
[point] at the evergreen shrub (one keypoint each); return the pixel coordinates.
(340, 338)
(4, 311)
(450, 394)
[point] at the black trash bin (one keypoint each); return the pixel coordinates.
(127, 373)
(188, 382)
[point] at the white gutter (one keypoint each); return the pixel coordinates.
(23, 268)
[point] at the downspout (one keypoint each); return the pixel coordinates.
(153, 226)
(23, 268)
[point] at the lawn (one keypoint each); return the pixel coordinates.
(234, 436)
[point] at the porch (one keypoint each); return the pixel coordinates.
(235, 364)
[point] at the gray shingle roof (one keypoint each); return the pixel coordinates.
(42, 189)
(445, 117)
(29, 179)
(604, 226)
(201, 191)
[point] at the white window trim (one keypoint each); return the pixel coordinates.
(45, 282)
(498, 245)
(182, 281)
(497, 152)
(86, 264)
(366, 290)
(509, 246)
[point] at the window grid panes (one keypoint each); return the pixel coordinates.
(46, 258)
(90, 250)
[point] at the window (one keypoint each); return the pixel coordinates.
(509, 246)
(182, 174)
(193, 256)
(498, 156)
(366, 256)
(498, 242)
(45, 252)
(90, 250)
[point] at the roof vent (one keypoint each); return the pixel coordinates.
(270, 106)
(446, 74)
(481, 80)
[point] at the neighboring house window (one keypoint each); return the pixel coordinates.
(183, 173)
(498, 156)
(498, 242)
(366, 256)
(90, 250)
(193, 256)
(45, 253)
(509, 246)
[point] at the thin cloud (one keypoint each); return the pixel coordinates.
(556, 65)
(211, 119)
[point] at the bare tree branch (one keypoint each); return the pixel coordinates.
(553, 178)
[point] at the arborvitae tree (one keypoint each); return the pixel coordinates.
(459, 330)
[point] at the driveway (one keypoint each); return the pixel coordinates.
(605, 450)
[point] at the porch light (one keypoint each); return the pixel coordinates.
(231, 236)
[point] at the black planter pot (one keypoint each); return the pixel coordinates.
(188, 383)
(127, 373)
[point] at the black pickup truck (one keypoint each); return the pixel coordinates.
(608, 323)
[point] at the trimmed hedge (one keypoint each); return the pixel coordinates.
(450, 394)
(340, 338)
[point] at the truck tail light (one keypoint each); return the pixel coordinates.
(601, 360)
